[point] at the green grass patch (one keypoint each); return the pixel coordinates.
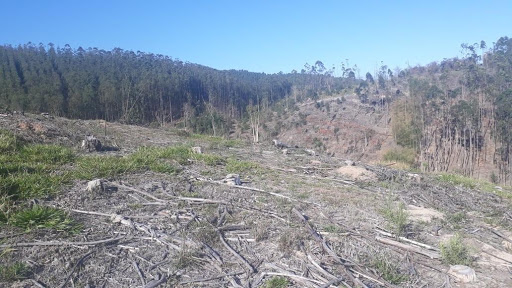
(455, 252)
(217, 142)
(277, 282)
(30, 171)
(403, 155)
(470, 183)
(16, 271)
(146, 158)
(237, 166)
(397, 217)
(8, 142)
(457, 180)
(43, 217)
(389, 271)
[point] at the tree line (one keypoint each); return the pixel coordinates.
(458, 112)
(141, 88)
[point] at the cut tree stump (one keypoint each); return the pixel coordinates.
(91, 144)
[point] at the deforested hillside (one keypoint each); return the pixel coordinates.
(161, 207)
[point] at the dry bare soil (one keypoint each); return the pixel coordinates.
(295, 221)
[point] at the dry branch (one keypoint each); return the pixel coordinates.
(62, 243)
(156, 283)
(499, 234)
(80, 261)
(406, 240)
(139, 272)
(236, 254)
(212, 278)
(430, 254)
(324, 244)
(137, 191)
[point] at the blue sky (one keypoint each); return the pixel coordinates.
(264, 36)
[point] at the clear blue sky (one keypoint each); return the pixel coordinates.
(264, 36)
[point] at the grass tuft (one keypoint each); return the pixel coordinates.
(455, 252)
(43, 217)
(403, 155)
(397, 217)
(389, 271)
(17, 271)
(8, 142)
(277, 282)
(236, 166)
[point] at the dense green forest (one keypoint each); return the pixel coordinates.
(142, 88)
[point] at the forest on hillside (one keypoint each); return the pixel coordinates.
(144, 88)
(453, 115)
(457, 113)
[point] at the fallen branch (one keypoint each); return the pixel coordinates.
(335, 180)
(82, 259)
(156, 283)
(499, 234)
(430, 254)
(62, 243)
(139, 272)
(380, 231)
(137, 191)
(257, 190)
(37, 283)
(240, 257)
(212, 278)
(335, 281)
(320, 267)
(324, 244)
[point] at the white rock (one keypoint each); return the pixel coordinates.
(350, 163)
(95, 185)
(197, 150)
(463, 273)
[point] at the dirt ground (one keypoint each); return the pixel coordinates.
(311, 220)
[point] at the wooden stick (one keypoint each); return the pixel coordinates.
(62, 243)
(258, 190)
(80, 261)
(240, 257)
(332, 282)
(212, 278)
(432, 255)
(156, 283)
(137, 191)
(499, 234)
(380, 231)
(322, 270)
(139, 272)
(324, 244)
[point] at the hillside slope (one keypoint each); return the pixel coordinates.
(296, 220)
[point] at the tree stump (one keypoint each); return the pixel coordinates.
(91, 144)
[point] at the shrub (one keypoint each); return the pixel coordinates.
(404, 155)
(389, 271)
(455, 252)
(397, 217)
